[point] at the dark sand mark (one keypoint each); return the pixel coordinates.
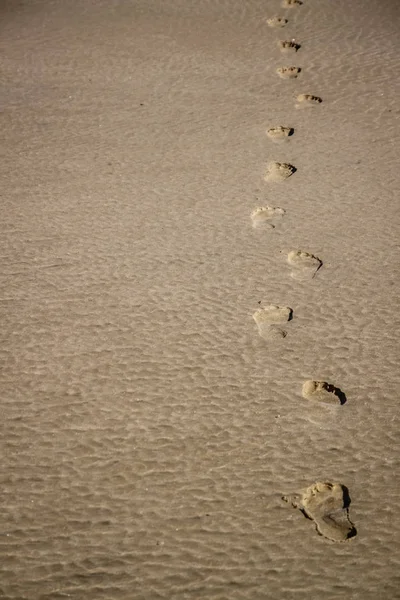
(291, 3)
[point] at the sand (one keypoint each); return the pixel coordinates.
(149, 433)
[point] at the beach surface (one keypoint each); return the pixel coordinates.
(158, 440)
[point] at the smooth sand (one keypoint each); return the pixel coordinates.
(148, 430)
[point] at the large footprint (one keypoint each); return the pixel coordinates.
(268, 318)
(291, 3)
(307, 101)
(280, 133)
(262, 216)
(277, 172)
(277, 22)
(304, 265)
(287, 46)
(323, 392)
(327, 504)
(288, 72)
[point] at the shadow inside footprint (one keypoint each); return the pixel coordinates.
(341, 395)
(346, 505)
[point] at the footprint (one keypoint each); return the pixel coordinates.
(288, 46)
(307, 100)
(327, 504)
(288, 72)
(277, 171)
(262, 216)
(269, 317)
(277, 22)
(320, 391)
(279, 133)
(304, 264)
(291, 3)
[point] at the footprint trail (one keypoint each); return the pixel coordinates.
(324, 502)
